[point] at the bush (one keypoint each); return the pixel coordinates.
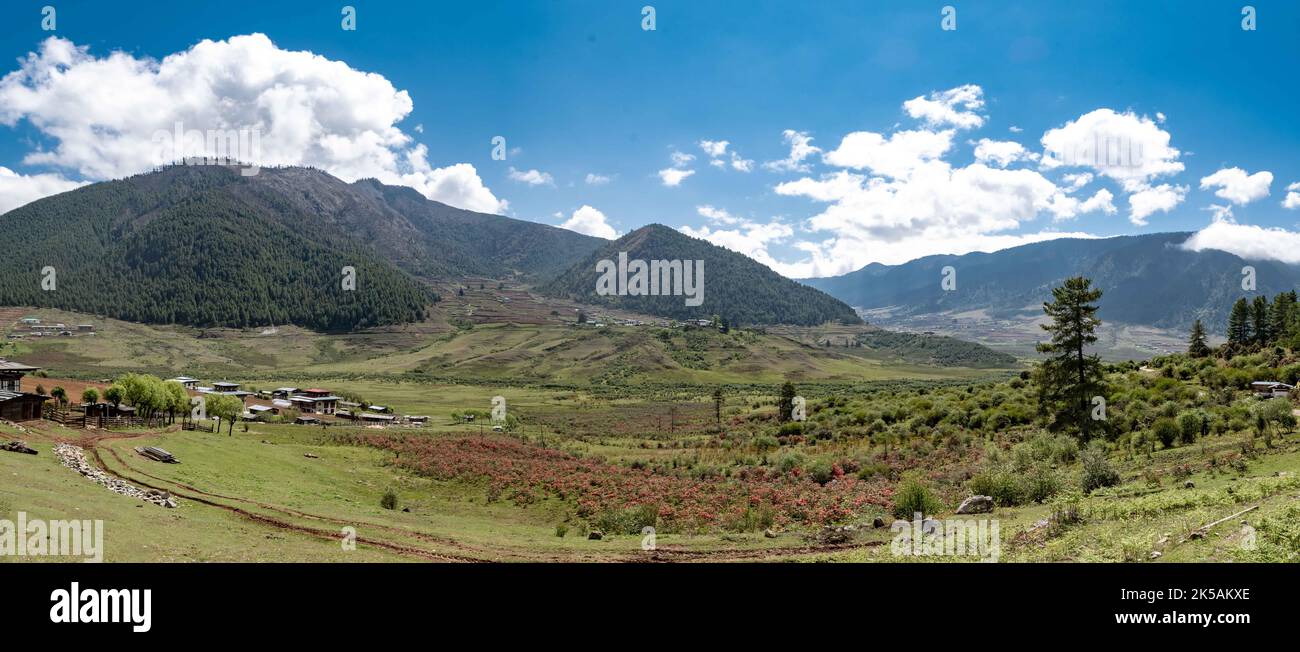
(789, 462)
(561, 530)
(820, 471)
(1166, 430)
(1097, 471)
(1004, 488)
(389, 500)
(914, 496)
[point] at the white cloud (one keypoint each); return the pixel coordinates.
(1001, 152)
(717, 215)
(1076, 181)
(1292, 199)
(532, 177)
(19, 189)
(594, 179)
(104, 113)
(714, 148)
(1248, 241)
(1238, 187)
(589, 221)
(1014, 129)
(1122, 146)
(956, 107)
(895, 156)
(722, 159)
(1102, 200)
(1148, 200)
(1220, 211)
(744, 236)
(801, 148)
(673, 177)
(681, 159)
(935, 209)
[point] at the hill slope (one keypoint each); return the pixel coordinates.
(202, 245)
(1147, 279)
(737, 288)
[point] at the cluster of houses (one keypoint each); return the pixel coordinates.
(313, 405)
(32, 327)
(15, 404)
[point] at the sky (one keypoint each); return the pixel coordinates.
(815, 138)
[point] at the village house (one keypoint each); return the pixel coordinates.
(15, 404)
(187, 382)
(1271, 389)
(316, 401)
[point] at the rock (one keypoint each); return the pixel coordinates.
(1155, 554)
(1189, 485)
(311, 456)
(976, 505)
(595, 535)
(406, 509)
(878, 523)
(769, 534)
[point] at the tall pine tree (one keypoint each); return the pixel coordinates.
(1070, 377)
(1239, 323)
(1196, 346)
(1259, 322)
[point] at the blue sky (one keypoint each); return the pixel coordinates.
(579, 88)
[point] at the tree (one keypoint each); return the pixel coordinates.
(1259, 322)
(177, 399)
(717, 406)
(1239, 322)
(1196, 346)
(582, 317)
(60, 395)
(227, 408)
(1070, 377)
(785, 407)
(91, 395)
(40, 389)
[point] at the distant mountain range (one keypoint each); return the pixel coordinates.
(206, 246)
(1147, 280)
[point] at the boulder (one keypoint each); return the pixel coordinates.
(1189, 485)
(595, 535)
(17, 447)
(976, 505)
(768, 533)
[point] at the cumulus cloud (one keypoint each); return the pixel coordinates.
(589, 221)
(1126, 147)
(532, 177)
(1292, 199)
(1001, 152)
(743, 236)
(594, 179)
(18, 189)
(714, 148)
(673, 177)
(801, 148)
(105, 114)
(1248, 241)
(896, 155)
(954, 107)
(1237, 186)
(1155, 199)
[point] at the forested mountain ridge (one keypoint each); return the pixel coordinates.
(736, 288)
(205, 246)
(1147, 279)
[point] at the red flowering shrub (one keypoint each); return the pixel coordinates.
(523, 473)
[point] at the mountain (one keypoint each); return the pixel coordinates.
(205, 246)
(735, 288)
(1147, 280)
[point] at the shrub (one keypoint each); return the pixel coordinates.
(1097, 470)
(820, 471)
(561, 530)
(1166, 430)
(1004, 488)
(913, 496)
(389, 500)
(789, 462)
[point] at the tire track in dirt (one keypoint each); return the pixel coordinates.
(283, 525)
